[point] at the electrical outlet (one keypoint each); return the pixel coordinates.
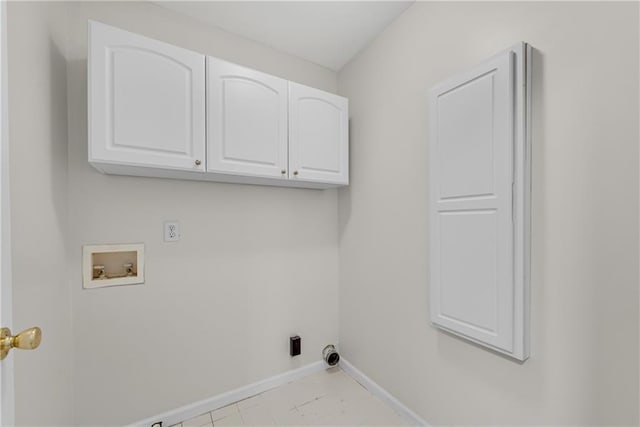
(171, 231)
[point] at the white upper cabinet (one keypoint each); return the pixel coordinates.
(146, 101)
(162, 111)
(246, 121)
(318, 135)
(478, 198)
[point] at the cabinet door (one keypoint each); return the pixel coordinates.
(471, 162)
(146, 101)
(247, 121)
(318, 135)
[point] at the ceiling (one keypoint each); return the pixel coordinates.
(328, 33)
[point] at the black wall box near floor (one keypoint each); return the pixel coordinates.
(295, 345)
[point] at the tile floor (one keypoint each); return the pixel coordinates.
(328, 398)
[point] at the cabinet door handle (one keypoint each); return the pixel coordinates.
(295, 172)
(283, 171)
(198, 162)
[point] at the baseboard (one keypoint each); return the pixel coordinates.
(216, 402)
(381, 393)
(194, 409)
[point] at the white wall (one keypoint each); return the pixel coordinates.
(584, 349)
(38, 138)
(255, 264)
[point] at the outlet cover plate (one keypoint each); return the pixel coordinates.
(171, 231)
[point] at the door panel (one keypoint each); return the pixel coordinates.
(147, 101)
(7, 403)
(468, 238)
(318, 135)
(247, 121)
(465, 127)
(471, 176)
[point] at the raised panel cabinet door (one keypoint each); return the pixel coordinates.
(247, 121)
(471, 151)
(146, 101)
(318, 135)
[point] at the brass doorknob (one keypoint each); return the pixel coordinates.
(25, 340)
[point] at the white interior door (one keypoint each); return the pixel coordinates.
(246, 121)
(6, 365)
(471, 216)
